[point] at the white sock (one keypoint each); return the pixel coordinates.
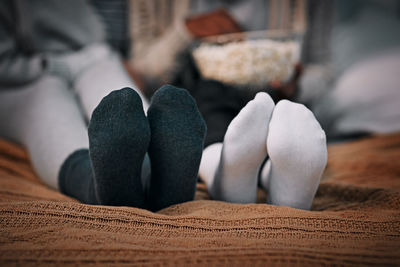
(209, 163)
(243, 152)
(297, 150)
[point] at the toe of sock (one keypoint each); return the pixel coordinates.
(174, 104)
(296, 136)
(266, 98)
(171, 94)
(117, 108)
(125, 96)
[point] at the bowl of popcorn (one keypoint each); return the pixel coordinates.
(252, 58)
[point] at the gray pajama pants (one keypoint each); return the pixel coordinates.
(49, 116)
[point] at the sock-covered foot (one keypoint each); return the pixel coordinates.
(297, 150)
(177, 137)
(119, 135)
(209, 163)
(76, 177)
(243, 152)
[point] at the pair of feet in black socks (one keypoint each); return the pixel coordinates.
(109, 172)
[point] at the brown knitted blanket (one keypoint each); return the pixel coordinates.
(355, 220)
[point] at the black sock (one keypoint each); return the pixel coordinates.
(75, 178)
(176, 146)
(119, 135)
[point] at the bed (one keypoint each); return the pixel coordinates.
(355, 220)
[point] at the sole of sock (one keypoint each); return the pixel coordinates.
(243, 152)
(177, 138)
(297, 150)
(119, 135)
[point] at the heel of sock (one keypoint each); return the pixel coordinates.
(75, 178)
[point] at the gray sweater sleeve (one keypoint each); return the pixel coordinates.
(15, 67)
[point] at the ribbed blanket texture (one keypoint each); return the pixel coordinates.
(355, 220)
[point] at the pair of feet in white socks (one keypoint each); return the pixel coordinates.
(292, 138)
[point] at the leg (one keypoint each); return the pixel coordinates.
(104, 75)
(45, 118)
(94, 80)
(297, 150)
(109, 172)
(243, 152)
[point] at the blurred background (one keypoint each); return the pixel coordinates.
(339, 58)
(347, 69)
